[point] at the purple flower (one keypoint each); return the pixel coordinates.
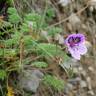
(76, 46)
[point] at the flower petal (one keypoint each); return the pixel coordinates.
(66, 41)
(75, 53)
(82, 49)
(81, 36)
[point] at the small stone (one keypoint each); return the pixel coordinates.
(90, 92)
(69, 26)
(90, 69)
(80, 69)
(75, 70)
(74, 81)
(83, 73)
(61, 40)
(88, 44)
(45, 35)
(83, 84)
(74, 19)
(30, 79)
(88, 79)
(64, 2)
(92, 2)
(57, 36)
(91, 8)
(68, 87)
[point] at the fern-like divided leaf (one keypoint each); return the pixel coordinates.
(54, 30)
(8, 52)
(13, 15)
(2, 74)
(32, 17)
(40, 64)
(54, 82)
(51, 50)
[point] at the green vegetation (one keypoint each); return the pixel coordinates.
(20, 39)
(54, 82)
(39, 64)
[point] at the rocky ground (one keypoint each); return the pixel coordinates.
(73, 16)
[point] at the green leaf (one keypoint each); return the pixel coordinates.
(2, 74)
(54, 30)
(12, 10)
(13, 16)
(40, 64)
(24, 28)
(32, 17)
(54, 82)
(14, 40)
(50, 13)
(50, 50)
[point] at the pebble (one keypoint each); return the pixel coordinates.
(74, 81)
(74, 19)
(80, 69)
(75, 70)
(83, 73)
(90, 92)
(90, 69)
(83, 84)
(30, 79)
(88, 79)
(68, 88)
(61, 40)
(64, 2)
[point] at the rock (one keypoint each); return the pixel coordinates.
(74, 81)
(90, 69)
(64, 2)
(75, 70)
(45, 35)
(88, 79)
(90, 92)
(92, 2)
(30, 79)
(83, 73)
(74, 20)
(91, 8)
(88, 44)
(59, 38)
(83, 84)
(68, 87)
(89, 48)
(80, 68)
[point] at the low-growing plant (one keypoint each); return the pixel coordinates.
(54, 82)
(3, 74)
(39, 64)
(23, 41)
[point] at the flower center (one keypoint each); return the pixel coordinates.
(74, 40)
